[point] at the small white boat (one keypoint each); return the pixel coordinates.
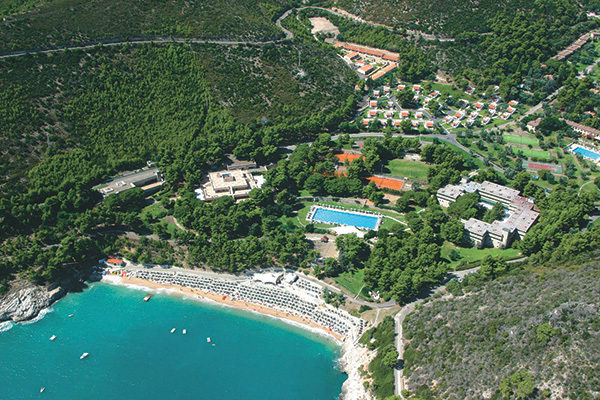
(184, 331)
(207, 340)
(173, 330)
(52, 337)
(84, 355)
(42, 389)
(148, 297)
(70, 315)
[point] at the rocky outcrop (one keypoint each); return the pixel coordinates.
(353, 357)
(25, 301)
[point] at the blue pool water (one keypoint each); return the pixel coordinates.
(586, 153)
(134, 356)
(346, 218)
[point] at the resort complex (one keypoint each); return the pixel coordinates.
(519, 216)
(236, 183)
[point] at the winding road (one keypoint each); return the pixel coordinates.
(407, 309)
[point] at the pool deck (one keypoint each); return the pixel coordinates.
(575, 146)
(315, 207)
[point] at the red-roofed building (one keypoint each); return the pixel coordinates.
(366, 69)
(351, 56)
(114, 262)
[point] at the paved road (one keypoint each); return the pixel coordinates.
(387, 304)
(401, 316)
(449, 138)
(407, 309)
(147, 40)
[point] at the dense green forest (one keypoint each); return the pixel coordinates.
(110, 109)
(529, 335)
(61, 22)
(447, 17)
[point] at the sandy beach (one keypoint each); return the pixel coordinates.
(353, 355)
(227, 301)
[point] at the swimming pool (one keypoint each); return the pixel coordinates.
(586, 153)
(358, 220)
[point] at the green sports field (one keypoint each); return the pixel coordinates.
(534, 153)
(407, 168)
(521, 140)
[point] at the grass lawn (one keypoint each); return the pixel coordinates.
(155, 210)
(353, 281)
(455, 93)
(533, 153)
(474, 254)
(476, 160)
(521, 140)
(407, 168)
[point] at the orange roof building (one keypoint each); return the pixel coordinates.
(366, 69)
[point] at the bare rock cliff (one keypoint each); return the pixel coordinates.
(24, 301)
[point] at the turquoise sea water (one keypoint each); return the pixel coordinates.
(133, 355)
(346, 218)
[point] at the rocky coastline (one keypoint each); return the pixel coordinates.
(25, 300)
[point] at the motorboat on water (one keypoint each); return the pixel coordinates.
(42, 389)
(207, 340)
(148, 297)
(185, 331)
(52, 337)
(173, 330)
(70, 315)
(84, 355)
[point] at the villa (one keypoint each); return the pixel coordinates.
(235, 183)
(373, 103)
(478, 106)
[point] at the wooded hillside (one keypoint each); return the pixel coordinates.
(530, 335)
(62, 22)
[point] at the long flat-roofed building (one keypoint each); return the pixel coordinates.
(149, 179)
(520, 216)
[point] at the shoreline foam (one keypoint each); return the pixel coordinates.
(213, 299)
(352, 354)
